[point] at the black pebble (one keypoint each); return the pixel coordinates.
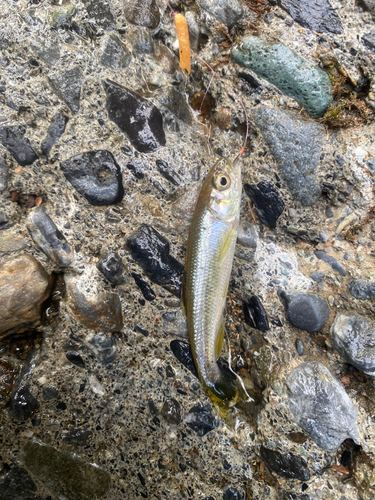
(171, 411)
(168, 173)
(200, 419)
(17, 485)
(96, 175)
(136, 169)
(267, 201)
(75, 359)
(111, 265)
(145, 288)
(331, 261)
(306, 311)
(231, 493)
(150, 250)
(287, 465)
(183, 353)
(77, 436)
(50, 393)
(55, 131)
(299, 347)
(22, 404)
(255, 314)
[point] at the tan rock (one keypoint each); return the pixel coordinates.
(24, 286)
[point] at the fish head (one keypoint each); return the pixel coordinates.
(223, 187)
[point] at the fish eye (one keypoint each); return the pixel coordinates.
(221, 181)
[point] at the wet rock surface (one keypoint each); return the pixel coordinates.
(49, 238)
(136, 117)
(282, 67)
(296, 145)
(318, 16)
(307, 311)
(321, 406)
(24, 286)
(95, 175)
(352, 337)
(101, 375)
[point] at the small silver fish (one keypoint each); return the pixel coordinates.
(209, 259)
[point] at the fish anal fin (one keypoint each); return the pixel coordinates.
(220, 340)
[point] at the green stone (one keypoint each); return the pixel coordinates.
(64, 474)
(291, 74)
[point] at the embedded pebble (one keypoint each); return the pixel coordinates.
(255, 314)
(76, 436)
(67, 86)
(150, 250)
(55, 131)
(282, 67)
(175, 323)
(320, 405)
(200, 419)
(175, 101)
(183, 353)
(369, 40)
(362, 289)
(75, 358)
(318, 16)
(16, 484)
(64, 474)
(24, 286)
(267, 201)
(171, 411)
(101, 12)
(104, 347)
(227, 12)
(168, 173)
(113, 268)
(300, 347)
(135, 116)
(145, 288)
(353, 338)
(331, 261)
(247, 235)
(13, 138)
(296, 144)
(96, 175)
(115, 55)
(4, 170)
(285, 464)
(47, 51)
(49, 238)
(306, 311)
(142, 13)
(22, 404)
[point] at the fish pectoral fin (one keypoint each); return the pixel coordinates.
(227, 243)
(220, 340)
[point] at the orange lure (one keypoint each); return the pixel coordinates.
(183, 41)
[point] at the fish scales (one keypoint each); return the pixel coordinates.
(209, 259)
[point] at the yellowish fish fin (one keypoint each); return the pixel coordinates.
(220, 340)
(227, 244)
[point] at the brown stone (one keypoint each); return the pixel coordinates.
(24, 286)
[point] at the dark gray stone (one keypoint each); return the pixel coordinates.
(307, 311)
(255, 314)
(168, 173)
(142, 13)
(136, 117)
(285, 464)
(267, 201)
(104, 348)
(362, 289)
(55, 131)
(100, 11)
(142, 42)
(171, 411)
(231, 493)
(227, 12)
(136, 168)
(353, 338)
(320, 405)
(282, 67)
(200, 419)
(49, 238)
(368, 5)
(150, 250)
(64, 474)
(145, 288)
(77, 436)
(368, 40)
(318, 15)
(22, 404)
(12, 138)
(317, 276)
(17, 485)
(331, 261)
(296, 144)
(182, 352)
(76, 359)
(113, 268)
(173, 100)
(48, 52)
(50, 393)
(67, 86)
(96, 175)
(247, 235)
(299, 346)
(115, 55)
(4, 170)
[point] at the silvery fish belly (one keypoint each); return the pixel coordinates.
(209, 259)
